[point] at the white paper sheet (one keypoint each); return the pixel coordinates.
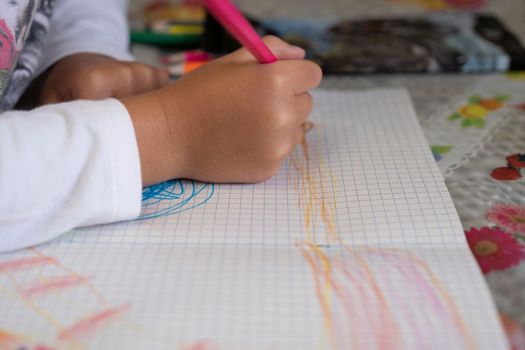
(354, 244)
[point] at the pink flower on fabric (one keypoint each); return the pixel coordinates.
(7, 48)
(494, 249)
(510, 217)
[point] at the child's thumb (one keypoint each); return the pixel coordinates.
(280, 48)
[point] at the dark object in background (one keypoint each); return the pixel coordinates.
(491, 29)
(396, 45)
(459, 42)
(217, 40)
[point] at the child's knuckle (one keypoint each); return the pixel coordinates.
(279, 120)
(127, 73)
(92, 80)
(278, 150)
(275, 82)
(81, 89)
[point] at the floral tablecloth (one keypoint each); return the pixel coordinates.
(475, 125)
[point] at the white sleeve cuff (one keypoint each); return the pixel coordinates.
(63, 166)
(125, 183)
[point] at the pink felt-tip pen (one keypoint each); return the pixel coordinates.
(239, 27)
(187, 56)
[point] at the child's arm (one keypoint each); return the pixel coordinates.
(76, 164)
(63, 166)
(86, 56)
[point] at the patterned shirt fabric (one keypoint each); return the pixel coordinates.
(68, 156)
(23, 26)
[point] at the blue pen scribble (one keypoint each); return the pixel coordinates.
(174, 196)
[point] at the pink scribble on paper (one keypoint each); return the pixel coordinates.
(56, 283)
(25, 263)
(88, 324)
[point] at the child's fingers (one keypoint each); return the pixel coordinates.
(301, 75)
(281, 49)
(163, 77)
(147, 78)
(142, 78)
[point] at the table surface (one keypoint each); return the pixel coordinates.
(436, 96)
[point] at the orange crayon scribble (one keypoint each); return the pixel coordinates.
(89, 324)
(350, 288)
(25, 263)
(57, 283)
(314, 199)
(328, 213)
(339, 282)
(321, 274)
(12, 341)
(306, 182)
(9, 340)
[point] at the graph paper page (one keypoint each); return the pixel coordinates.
(354, 244)
(365, 174)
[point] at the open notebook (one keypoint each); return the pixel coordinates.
(354, 244)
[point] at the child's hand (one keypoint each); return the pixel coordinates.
(232, 120)
(92, 76)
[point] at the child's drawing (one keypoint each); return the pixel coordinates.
(38, 283)
(174, 196)
(311, 178)
(357, 284)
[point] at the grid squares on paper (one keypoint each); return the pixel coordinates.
(253, 266)
(367, 156)
(259, 298)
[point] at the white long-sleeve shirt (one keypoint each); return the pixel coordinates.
(70, 164)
